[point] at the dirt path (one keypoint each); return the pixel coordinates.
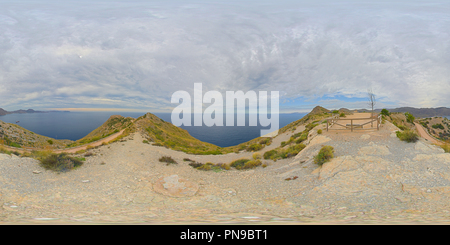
(425, 135)
(75, 149)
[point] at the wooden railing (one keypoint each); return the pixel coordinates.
(335, 121)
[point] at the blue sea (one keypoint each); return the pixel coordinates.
(76, 125)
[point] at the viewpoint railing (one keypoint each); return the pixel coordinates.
(336, 120)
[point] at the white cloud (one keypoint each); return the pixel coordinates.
(137, 54)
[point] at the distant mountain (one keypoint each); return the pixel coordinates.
(4, 112)
(418, 112)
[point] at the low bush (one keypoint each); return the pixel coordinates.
(60, 162)
(168, 160)
(284, 153)
(269, 154)
(438, 126)
(239, 163)
(251, 164)
(446, 147)
(266, 141)
(255, 147)
(408, 136)
(88, 154)
(210, 166)
(325, 155)
(319, 131)
(256, 156)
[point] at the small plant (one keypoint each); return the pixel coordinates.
(319, 131)
(256, 156)
(145, 142)
(325, 155)
(408, 136)
(266, 141)
(269, 154)
(210, 166)
(255, 147)
(50, 142)
(60, 162)
(88, 154)
(168, 160)
(251, 164)
(446, 147)
(238, 164)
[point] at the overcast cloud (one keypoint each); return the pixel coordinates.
(111, 54)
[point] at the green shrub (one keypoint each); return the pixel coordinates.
(251, 164)
(255, 147)
(446, 147)
(284, 153)
(402, 127)
(145, 141)
(269, 154)
(239, 163)
(438, 126)
(266, 141)
(60, 162)
(384, 112)
(342, 115)
(325, 155)
(409, 117)
(50, 142)
(205, 167)
(210, 166)
(319, 131)
(256, 156)
(408, 136)
(195, 164)
(168, 160)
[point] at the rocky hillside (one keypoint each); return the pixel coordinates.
(113, 125)
(439, 127)
(16, 136)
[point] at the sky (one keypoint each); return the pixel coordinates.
(134, 55)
